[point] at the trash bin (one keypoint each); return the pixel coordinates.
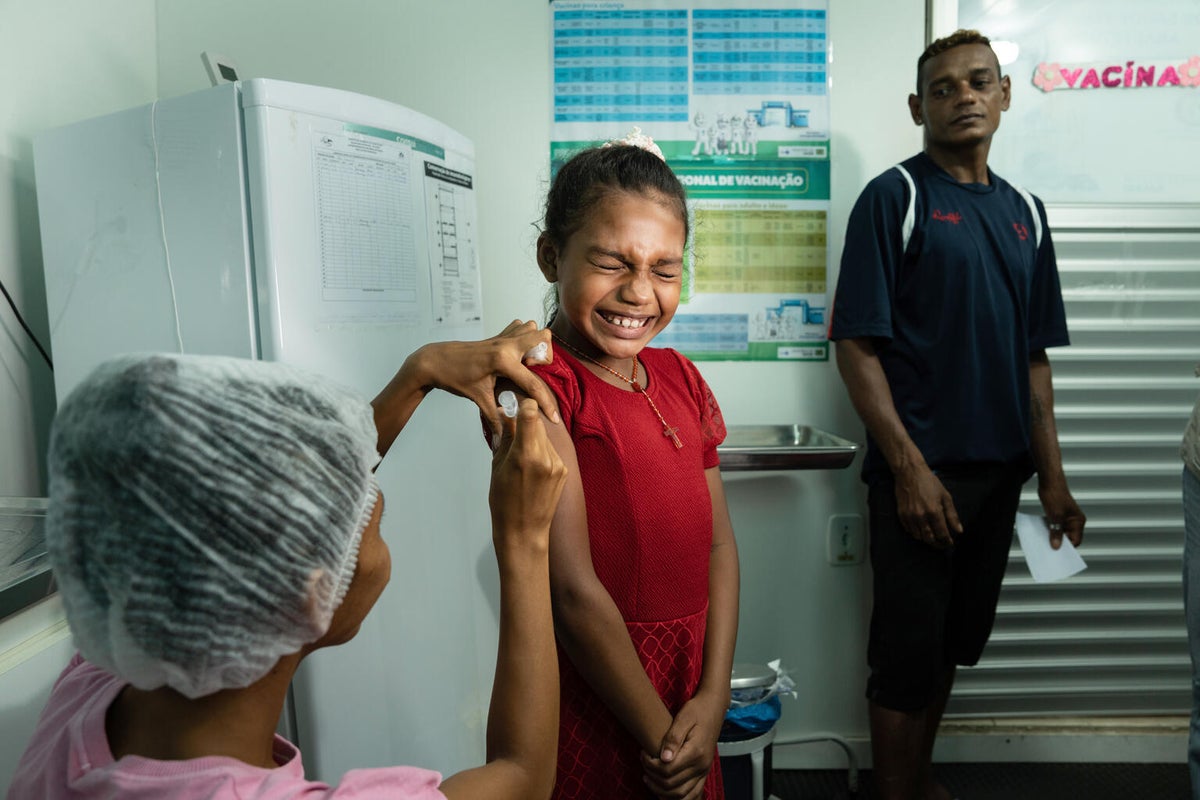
(744, 745)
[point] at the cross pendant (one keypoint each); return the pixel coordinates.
(667, 431)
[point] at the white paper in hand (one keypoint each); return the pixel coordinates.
(1045, 563)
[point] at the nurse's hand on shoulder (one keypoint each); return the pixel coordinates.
(467, 369)
(470, 369)
(926, 509)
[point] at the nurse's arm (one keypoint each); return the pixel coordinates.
(522, 729)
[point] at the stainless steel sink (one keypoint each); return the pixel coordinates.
(767, 447)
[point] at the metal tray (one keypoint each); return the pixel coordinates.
(770, 447)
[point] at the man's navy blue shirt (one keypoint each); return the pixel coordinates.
(954, 316)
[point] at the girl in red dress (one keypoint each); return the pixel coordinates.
(643, 564)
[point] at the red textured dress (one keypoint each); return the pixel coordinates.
(650, 528)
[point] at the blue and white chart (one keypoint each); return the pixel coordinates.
(737, 97)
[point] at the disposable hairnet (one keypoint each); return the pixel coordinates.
(205, 515)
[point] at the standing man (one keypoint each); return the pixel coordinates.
(947, 300)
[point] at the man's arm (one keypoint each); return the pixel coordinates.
(522, 730)
(926, 510)
(1063, 514)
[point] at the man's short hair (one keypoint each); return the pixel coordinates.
(958, 38)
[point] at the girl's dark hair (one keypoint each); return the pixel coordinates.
(593, 174)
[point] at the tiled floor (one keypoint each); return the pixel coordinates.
(1006, 782)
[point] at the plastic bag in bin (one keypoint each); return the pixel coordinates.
(754, 705)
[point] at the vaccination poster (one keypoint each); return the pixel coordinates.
(737, 96)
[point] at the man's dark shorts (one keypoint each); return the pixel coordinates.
(935, 608)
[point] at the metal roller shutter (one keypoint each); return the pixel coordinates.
(1111, 640)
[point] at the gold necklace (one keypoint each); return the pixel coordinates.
(668, 431)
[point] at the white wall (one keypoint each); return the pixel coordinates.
(483, 68)
(61, 60)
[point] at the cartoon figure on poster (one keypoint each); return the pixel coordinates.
(722, 135)
(735, 135)
(703, 135)
(749, 139)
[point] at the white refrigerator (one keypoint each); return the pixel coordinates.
(337, 232)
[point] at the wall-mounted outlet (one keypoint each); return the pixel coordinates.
(847, 540)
